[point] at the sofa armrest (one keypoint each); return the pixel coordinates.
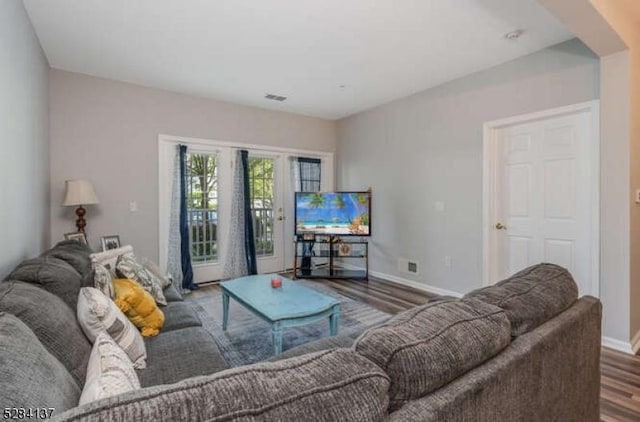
(549, 373)
(327, 386)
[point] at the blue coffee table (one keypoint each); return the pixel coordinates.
(287, 306)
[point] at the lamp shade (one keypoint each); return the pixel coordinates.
(79, 192)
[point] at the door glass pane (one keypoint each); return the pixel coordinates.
(202, 206)
(262, 200)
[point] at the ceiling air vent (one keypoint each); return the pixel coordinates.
(275, 97)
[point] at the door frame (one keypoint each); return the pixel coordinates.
(165, 163)
(489, 184)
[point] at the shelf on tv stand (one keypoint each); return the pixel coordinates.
(328, 247)
(336, 273)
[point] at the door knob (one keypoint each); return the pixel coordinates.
(500, 226)
(280, 218)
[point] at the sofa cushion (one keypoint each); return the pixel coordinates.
(77, 255)
(426, 347)
(110, 371)
(172, 294)
(138, 305)
(180, 354)
(52, 274)
(127, 267)
(179, 315)
(54, 324)
(97, 314)
(29, 375)
(337, 385)
(532, 296)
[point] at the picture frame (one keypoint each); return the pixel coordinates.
(77, 236)
(110, 242)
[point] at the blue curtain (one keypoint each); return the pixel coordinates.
(185, 252)
(249, 241)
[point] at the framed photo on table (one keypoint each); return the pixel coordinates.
(77, 236)
(344, 249)
(110, 242)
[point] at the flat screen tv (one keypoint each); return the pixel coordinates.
(333, 213)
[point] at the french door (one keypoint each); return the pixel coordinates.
(209, 190)
(209, 209)
(266, 187)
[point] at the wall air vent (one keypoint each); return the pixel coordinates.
(408, 266)
(275, 97)
(412, 267)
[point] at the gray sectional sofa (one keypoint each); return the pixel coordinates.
(526, 349)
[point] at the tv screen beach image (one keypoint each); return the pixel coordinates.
(333, 213)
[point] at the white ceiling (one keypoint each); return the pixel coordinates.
(331, 58)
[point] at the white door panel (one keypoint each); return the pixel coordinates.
(518, 177)
(519, 253)
(559, 193)
(560, 251)
(268, 209)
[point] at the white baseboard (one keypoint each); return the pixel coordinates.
(621, 346)
(419, 286)
(405, 282)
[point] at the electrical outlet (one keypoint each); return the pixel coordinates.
(447, 261)
(133, 206)
(637, 196)
(412, 267)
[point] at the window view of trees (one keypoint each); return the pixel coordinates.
(202, 206)
(262, 202)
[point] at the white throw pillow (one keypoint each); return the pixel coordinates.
(102, 280)
(109, 372)
(109, 258)
(98, 314)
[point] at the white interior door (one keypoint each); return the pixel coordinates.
(544, 195)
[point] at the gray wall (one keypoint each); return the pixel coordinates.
(427, 148)
(24, 143)
(616, 229)
(107, 132)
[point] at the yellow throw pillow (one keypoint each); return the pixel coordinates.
(138, 305)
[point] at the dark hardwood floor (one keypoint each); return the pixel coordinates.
(620, 391)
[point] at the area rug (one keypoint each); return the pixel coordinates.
(248, 338)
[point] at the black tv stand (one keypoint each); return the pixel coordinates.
(309, 250)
